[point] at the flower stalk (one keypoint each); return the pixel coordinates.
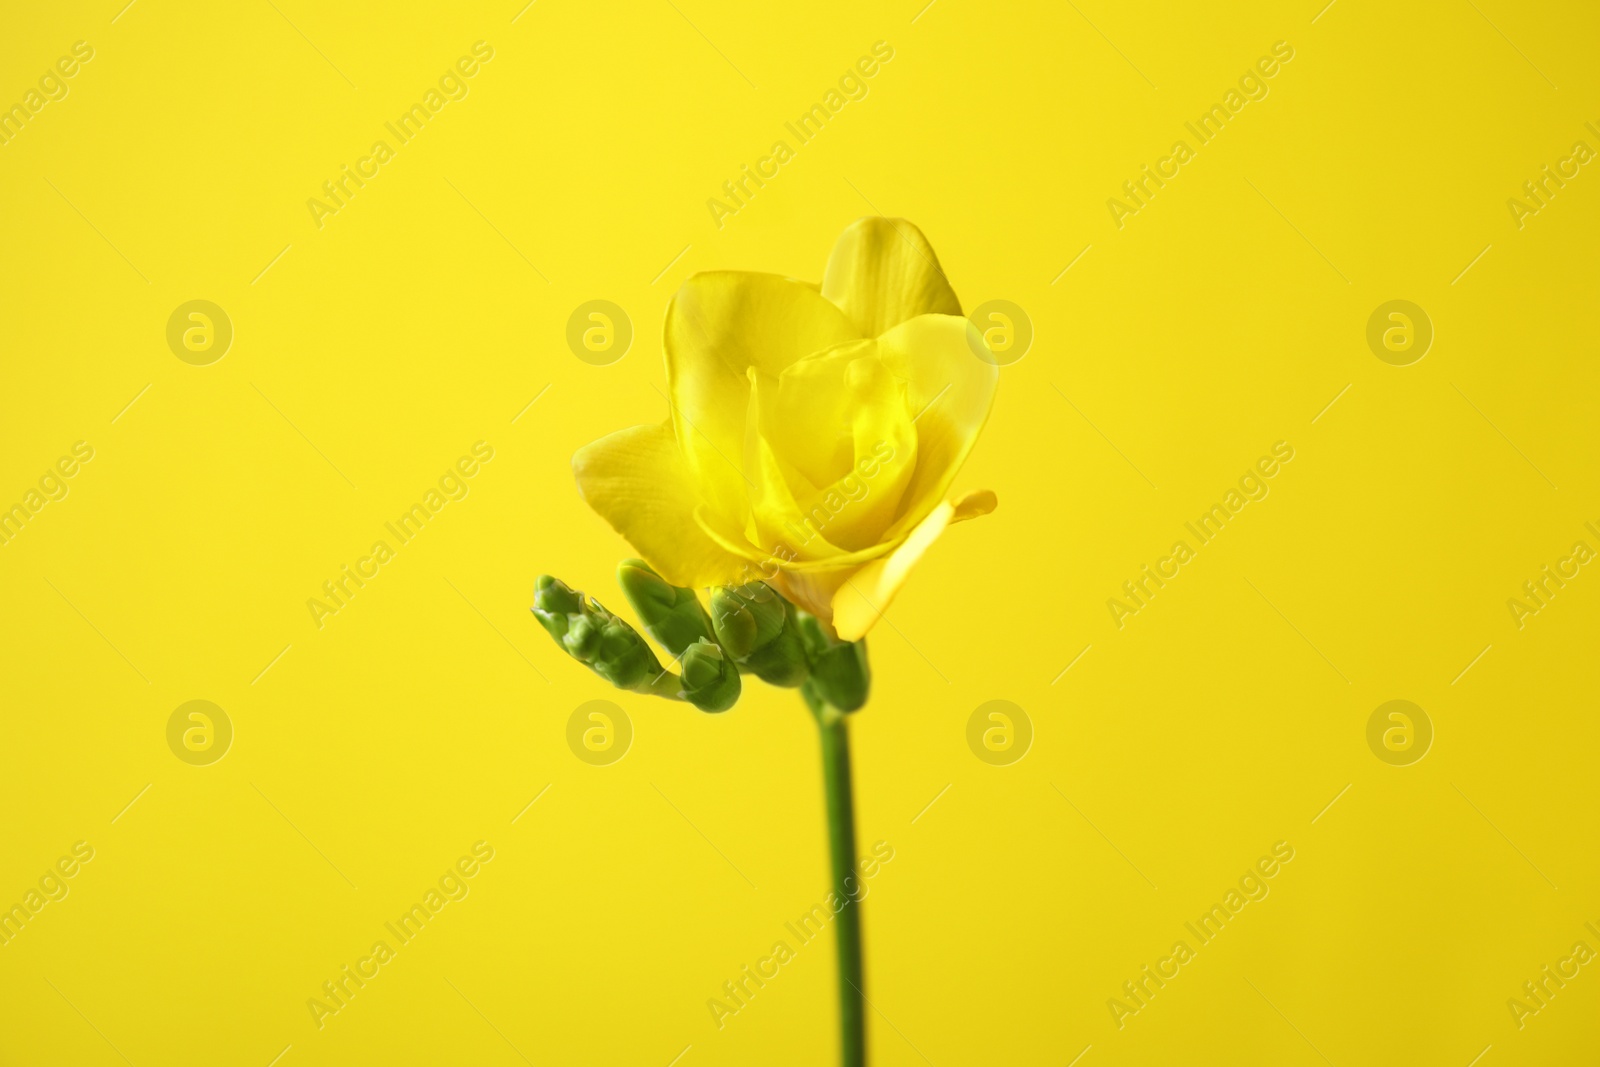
(839, 793)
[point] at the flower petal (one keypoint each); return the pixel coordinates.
(950, 391)
(883, 272)
(721, 324)
(974, 505)
(806, 412)
(638, 481)
(857, 508)
(862, 599)
(852, 601)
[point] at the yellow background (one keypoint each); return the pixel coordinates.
(424, 717)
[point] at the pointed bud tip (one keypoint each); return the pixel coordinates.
(638, 579)
(551, 594)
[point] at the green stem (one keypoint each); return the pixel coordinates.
(663, 684)
(833, 725)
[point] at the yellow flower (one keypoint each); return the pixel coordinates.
(814, 432)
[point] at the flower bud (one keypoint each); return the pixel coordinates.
(623, 658)
(840, 673)
(842, 676)
(590, 634)
(582, 640)
(671, 615)
(710, 680)
(553, 601)
(757, 628)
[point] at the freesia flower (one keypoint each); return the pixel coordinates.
(814, 431)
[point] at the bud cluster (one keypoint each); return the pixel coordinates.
(750, 629)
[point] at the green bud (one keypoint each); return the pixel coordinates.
(623, 658)
(843, 676)
(593, 636)
(746, 616)
(671, 615)
(840, 674)
(551, 594)
(710, 680)
(758, 629)
(552, 602)
(734, 623)
(583, 638)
